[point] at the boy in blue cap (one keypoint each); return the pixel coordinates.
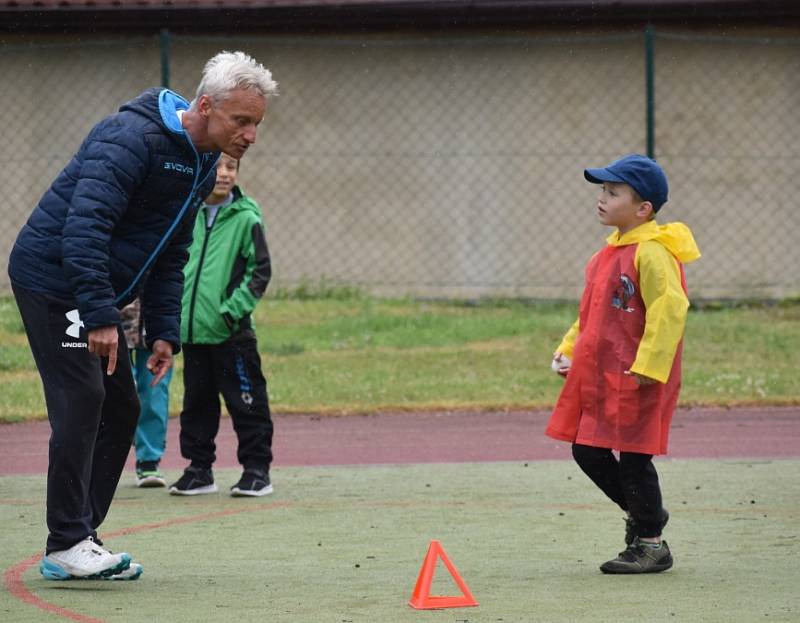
(622, 357)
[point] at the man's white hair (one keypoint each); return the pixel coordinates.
(228, 71)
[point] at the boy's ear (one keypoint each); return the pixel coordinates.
(645, 210)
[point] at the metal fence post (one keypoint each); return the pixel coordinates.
(165, 57)
(649, 47)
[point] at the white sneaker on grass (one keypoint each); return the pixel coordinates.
(86, 560)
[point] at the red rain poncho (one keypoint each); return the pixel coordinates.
(632, 317)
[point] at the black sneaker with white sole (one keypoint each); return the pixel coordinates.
(195, 481)
(254, 483)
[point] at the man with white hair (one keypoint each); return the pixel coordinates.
(116, 224)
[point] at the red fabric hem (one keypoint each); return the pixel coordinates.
(639, 449)
(560, 436)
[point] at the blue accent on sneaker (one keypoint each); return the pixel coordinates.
(52, 571)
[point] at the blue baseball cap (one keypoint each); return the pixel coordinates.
(641, 173)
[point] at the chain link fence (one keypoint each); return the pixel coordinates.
(452, 166)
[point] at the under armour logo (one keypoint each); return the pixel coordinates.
(74, 329)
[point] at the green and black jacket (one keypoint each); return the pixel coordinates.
(227, 273)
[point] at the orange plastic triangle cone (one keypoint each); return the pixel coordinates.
(421, 597)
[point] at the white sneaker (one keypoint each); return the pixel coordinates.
(83, 560)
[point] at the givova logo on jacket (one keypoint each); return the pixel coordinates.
(180, 168)
(74, 329)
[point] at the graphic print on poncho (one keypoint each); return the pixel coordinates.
(624, 293)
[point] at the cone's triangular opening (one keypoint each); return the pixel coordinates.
(421, 597)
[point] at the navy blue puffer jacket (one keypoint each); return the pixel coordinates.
(117, 221)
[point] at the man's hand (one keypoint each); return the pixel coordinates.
(160, 361)
(104, 342)
(641, 379)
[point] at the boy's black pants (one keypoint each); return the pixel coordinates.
(92, 417)
(631, 482)
(232, 369)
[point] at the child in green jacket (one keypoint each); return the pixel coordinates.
(227, 273)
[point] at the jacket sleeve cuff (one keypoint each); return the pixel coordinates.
(105, 317)
(176, 345)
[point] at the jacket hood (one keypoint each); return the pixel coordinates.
(160, 106)
(676, 237)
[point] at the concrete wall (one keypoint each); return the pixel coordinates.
(452, 166)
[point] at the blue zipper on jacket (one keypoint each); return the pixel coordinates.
(197, 182)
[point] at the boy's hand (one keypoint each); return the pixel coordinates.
(561, 364)
(640, 378)
(160, 361)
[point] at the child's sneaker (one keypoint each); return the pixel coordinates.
(253, 483)
(640, 558)
(148, 475)
(86, 560)
(195, 481)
